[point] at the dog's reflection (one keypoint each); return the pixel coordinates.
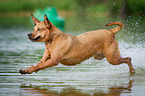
(116, 91)
(37, 91)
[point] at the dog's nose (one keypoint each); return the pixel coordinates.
(30, 34)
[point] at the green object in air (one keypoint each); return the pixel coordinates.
(52, 16)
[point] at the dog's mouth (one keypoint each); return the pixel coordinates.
(37, 38)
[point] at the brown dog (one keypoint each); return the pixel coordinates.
(71, 50)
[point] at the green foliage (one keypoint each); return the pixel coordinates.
(31, 5)
(130, 7)
(113, 6)
(96, 8)
(17, 21)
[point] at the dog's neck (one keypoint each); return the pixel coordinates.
(54, 33)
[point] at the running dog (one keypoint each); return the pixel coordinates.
(71, 50)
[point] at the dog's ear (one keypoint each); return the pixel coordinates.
(47, 22)
(35, 20)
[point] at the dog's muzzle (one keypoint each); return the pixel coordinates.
(35, 39)
(31, 37)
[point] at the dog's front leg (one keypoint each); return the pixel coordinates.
(45, 57)
(47, 64)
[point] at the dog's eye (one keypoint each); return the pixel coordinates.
(39, 29)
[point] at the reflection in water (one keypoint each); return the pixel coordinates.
(116, 91)
(113, 91)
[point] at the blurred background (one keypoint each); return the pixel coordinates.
(14, 12)
(91, 77)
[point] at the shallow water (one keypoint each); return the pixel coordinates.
(90, 78)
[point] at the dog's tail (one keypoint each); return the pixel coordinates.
(118, 28)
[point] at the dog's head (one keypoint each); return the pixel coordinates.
(41, 31)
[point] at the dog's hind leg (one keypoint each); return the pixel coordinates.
(112, 54)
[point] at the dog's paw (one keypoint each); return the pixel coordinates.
(23, 72)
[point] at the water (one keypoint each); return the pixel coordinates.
(90, 78)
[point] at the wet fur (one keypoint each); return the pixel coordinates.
(71, 50)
